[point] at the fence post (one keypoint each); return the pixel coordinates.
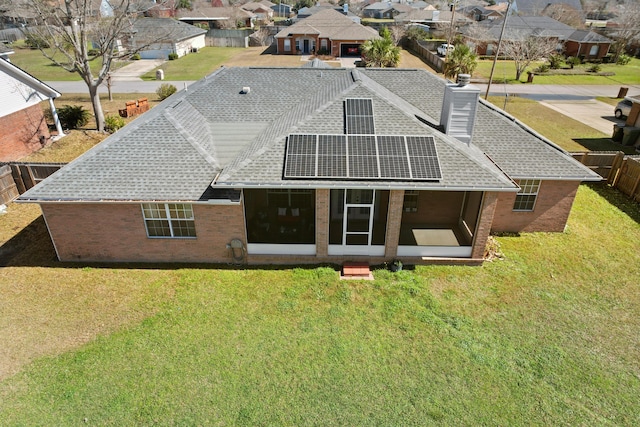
(615, 168)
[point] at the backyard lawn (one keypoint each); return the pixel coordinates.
(545, 336)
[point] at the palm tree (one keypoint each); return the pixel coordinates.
(461, 61)
(381, 52)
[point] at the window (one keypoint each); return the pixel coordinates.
(169, 219)
(526, 197)
(323, 44)
(287, 45)
(594, 50)
(410, 201)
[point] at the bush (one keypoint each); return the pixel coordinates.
(542, 68)
(623, 59)
(173, 56)
(573, 60)
(135, 57)
(165, 90)
(595, 68)
(73, 116)
(555, 61)
(34, 41)
(417, 33)
(113, 123)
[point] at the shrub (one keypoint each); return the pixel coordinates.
(73, 116)
(573, 60)
(173, 56)
(113, 123)
(135, 57)
(35, 41)
(416, 33)
(542, 68)
(165, 90)
(595, 68)
(623, 59)
(555, 61)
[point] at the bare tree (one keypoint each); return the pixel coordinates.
(261, 36)
(524, 49)
(565, 14)
(85, 37)
(397, 32)
(628, 27)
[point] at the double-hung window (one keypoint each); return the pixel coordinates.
(410, 201)
(169, 220)
(526, 197)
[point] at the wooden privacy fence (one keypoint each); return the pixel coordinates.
(425, 50)
(16, 178)
(620, 171)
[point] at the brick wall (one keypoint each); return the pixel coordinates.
(487, 216)
(550, 213)
(116, 232)
(394, 221)
(20, 133)
(322, 222)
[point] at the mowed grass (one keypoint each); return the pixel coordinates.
(568, 133)
(505, 71)
(195, 65)
(547, 336)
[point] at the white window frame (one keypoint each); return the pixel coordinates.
(287, 45)
(172, 214)
(593, 50)
(528, 194)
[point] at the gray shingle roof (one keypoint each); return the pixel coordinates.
(585, 36)
(213, 131)
(150, 30)
(329, 23)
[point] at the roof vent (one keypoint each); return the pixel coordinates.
(464, 79)
(245, 90)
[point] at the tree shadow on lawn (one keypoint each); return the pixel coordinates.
(617, 199)
(604, 144)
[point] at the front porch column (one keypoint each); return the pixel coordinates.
(394, 221)
(488, 209)
(322, 222)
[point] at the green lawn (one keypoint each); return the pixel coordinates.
(505, 71)
(547, 336)
(195, 66)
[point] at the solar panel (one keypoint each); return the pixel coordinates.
(362, 157)
(359, 116)
(423, 157)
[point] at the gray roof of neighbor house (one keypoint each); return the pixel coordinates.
(329, 23)
(150, 30)
(536, 7)
(584, 36)
(214, 135)
(519, 27)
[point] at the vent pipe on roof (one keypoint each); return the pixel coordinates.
(459, 108)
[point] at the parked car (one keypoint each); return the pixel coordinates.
(623, 108)
(443, 48)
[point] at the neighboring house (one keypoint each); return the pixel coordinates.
(282, 10)
(308, 166)
(479, 13)
(22, 122)
(385, 10)
(537, 7)
(218, 17)
(158, 37)
(587, 45)
(326, 31)
(518, 28)
(263, 12)
(437, 21)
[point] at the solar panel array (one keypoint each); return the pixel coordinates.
(361, 157)
(359, 116)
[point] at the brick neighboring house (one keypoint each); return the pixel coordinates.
(587, 45)
(304, 165)
(220, 17)
(22, 122)
(325, 31)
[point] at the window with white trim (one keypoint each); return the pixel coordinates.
(526, 197)
(287, 45)
(169, 220)
(410, 201)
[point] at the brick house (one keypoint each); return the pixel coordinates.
(24, 128)
(310, 165)
(587, 45)
(325, 31)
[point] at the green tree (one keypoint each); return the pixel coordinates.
(381, 52)
(462, 60)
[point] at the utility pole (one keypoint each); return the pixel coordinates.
(495, 58)
(451, 28)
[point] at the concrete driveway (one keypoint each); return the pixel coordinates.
(133, 71)
(591, 112)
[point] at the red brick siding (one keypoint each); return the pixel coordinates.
(438, 207)
(20, 133)
(116, 232)
(394, 222)
(576, 49)
(487, 215)
(550, 213)
(322, 222)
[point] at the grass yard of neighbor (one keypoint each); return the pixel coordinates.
(548, 335)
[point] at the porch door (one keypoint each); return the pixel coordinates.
(305, 46)
(358, 217)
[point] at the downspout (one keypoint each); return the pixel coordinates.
(56, 119)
